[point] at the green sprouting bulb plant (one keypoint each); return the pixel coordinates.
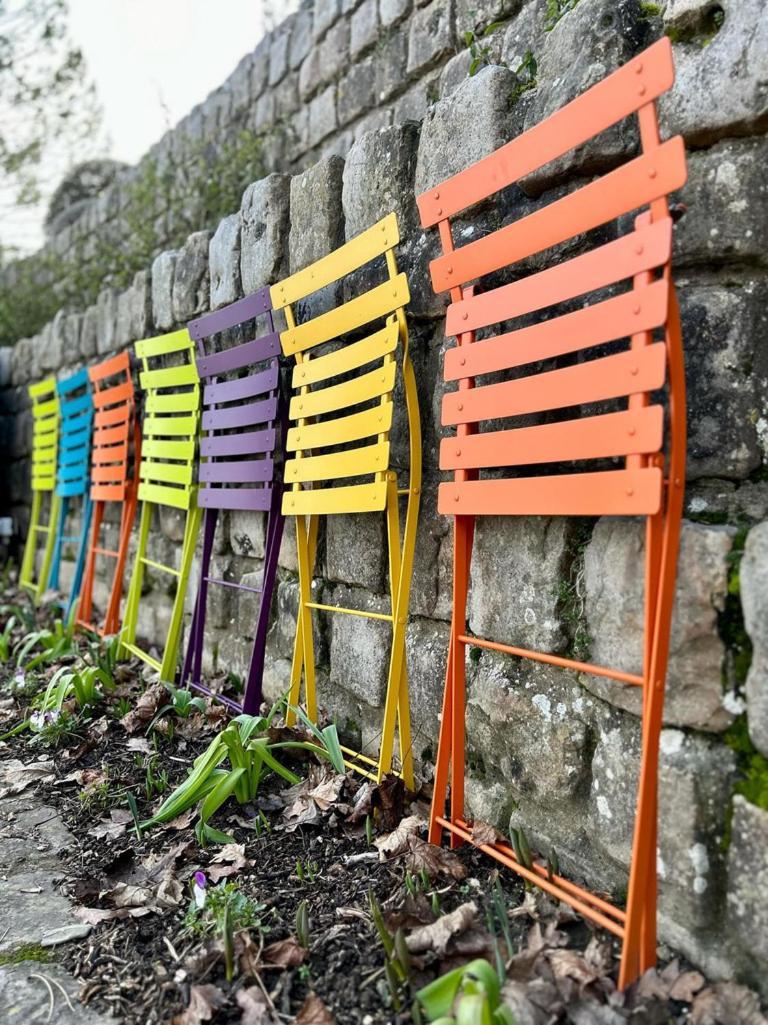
(244, 743)
(224, 911)
(183, 704)
(302, 924)
(467, 995)
(6, 638)
(52, 644)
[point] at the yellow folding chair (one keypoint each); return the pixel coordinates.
(166, 478)
(338, 453)
(45, 442)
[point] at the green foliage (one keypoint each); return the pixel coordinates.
(478, 51)
(6, 639)
(471, 993)
(526, 72)
(183, 704)
(226, 912)
(648, 10)
(26, 952)
(703, 31)
(302, 924)
(730, 619)
(162, 205)
(752, 766)
(48, 645)
(555, 10)
(245, 744)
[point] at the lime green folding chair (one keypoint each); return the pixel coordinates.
(45, 443)
(171, 385)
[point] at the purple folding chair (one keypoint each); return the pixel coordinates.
(244, 408)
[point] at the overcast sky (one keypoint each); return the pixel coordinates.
(151, 62)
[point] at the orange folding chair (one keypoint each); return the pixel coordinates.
(113, 482)
(611, 460)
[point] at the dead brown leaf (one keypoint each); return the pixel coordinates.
(94, 916)
(115, 825)
(254, 1006)
(569, 964)
(485, 833)
(362, 803)
(405, 910)
(686, 986)
(145, 708)
(204, 1002)
(727, 1003)
(314, 1012)
(140, 744)
(395, 843)
(388, 802)
(15, 776)
(435, 861)
(287, 953)
(229, 860)
(437, 936)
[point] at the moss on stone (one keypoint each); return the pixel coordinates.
(26, 952)
(730, 620)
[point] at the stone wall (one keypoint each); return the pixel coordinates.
(551, 750)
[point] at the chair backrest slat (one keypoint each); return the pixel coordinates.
(635, 85)
(114, 404)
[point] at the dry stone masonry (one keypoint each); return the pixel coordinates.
(365, 103)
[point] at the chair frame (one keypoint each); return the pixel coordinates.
(166, 478)
(306, 505)
(115, 425)
(72, 476)
(45, 441)
(644, 487)
(252, 427)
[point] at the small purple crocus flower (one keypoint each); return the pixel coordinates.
(198, 889)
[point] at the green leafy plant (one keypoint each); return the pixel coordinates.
(245, 744)
(306, 870)
(302, 924)
(86, 687)
(183, 704)
(526, 73)
(465, 996)
(479, 52)
(223, 910)
(555, 10)
(6, 639)
(155, 781)
(49, 645)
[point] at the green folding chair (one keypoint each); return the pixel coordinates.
(45, 443)
(166, 478)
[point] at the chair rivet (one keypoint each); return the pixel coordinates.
(449, 270)
(437, 195)
(463, 361)
(460, 406)
(633, 371)
(439, 211)
(642, 90)
(639, 68)
(652, 173)
(632, 432)
(630, 492)
(458, 451)
(455, 498)
(640, 250)
(636, 308)
(465, 316)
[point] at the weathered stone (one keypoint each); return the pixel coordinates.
(360, 647)
(471, 123)
(523, 725)
(278, 54)
(720, 89)
(260, 67)
(322, 115)
(283, 631)
(191, 279)
(588, 42)
(431, 36)
(477, 15)
(532, 554)
(287, 97)
(71, 327)
(723, 501)
(134, 306)
(684, 15)
(52, 343)
(357, 91)
(224, 262)
(301, 38)
(727, 197)
(106, 306)
(22, 1000)
(747, 900)
(727, 373)
(613, 607)
(317, 223)
(356, 549)
(247, 533)
(414, 104)
(326, 14)
(264, 215)
(392, 11)
(326, 60)
(455, 72)
(525, 33)
(65, 934)
(378, 179)
(389, 65)
(753, 577)
(240, 84)
(426, 652)
(163, 269)
(374, 121)
(89, 333)
(364, 28)
(5, 366)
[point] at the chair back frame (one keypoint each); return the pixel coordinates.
(646, 485)
(243, 417)
(306, 499)
(170, 428)
(45, 441)
(72, 476)
(114, 481)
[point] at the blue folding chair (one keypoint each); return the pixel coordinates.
(73, 474)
